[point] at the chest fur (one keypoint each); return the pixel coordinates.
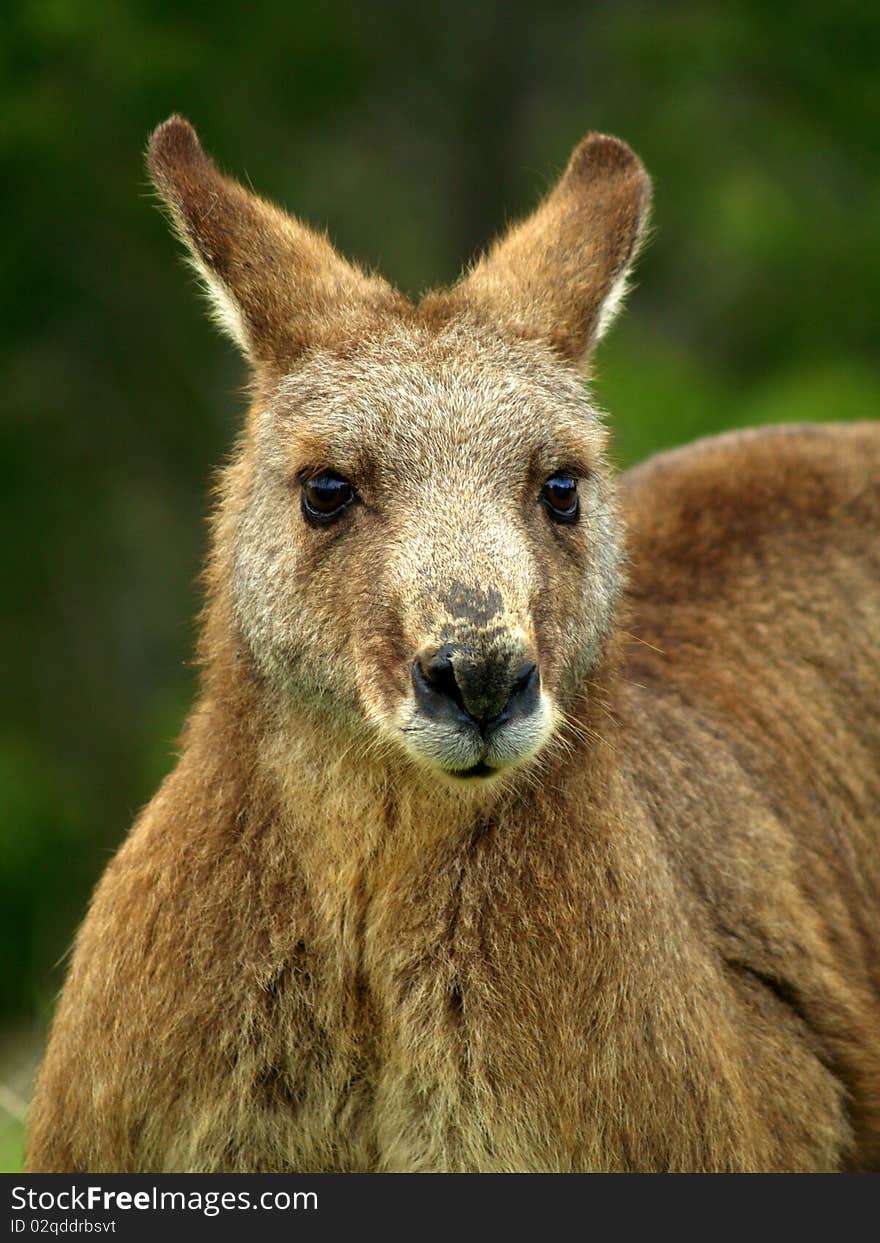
(440, 1027)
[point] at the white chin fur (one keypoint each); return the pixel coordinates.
(457, 748)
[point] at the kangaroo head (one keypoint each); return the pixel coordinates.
(418, 536)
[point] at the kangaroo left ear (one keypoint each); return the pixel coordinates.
(276, 287)
(561, 274)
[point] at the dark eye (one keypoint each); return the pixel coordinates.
(560, 498)
(325, 496)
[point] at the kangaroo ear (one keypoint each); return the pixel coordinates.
(561, 274)
(276, 287)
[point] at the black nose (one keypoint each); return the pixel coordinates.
(487, 689)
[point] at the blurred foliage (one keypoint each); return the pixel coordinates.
(12, 1138)
(413, 133)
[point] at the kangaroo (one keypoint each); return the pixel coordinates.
(527, 818)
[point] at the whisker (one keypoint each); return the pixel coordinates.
(644, 642)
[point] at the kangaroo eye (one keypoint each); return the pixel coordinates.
(325, 496)
(560, 498)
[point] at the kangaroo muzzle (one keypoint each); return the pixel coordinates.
(486, 690)
(475, 709)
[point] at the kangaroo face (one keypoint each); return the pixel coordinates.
(429, 542)
(419, 530)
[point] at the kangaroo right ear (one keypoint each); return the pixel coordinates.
(276, 287)
(561, 274)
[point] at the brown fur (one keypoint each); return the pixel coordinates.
(651, 941)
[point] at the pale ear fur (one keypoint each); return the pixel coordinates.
(222, 306)
(275, 286)
(561, 274)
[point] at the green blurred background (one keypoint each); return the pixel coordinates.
(413, 132)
